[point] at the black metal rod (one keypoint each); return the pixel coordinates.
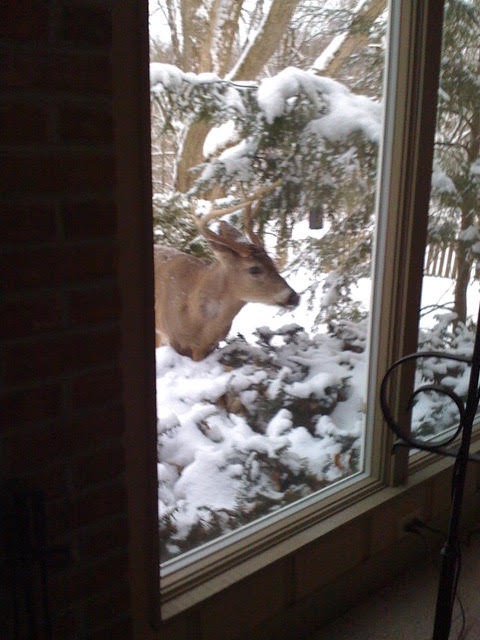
(467, 410)
(450, 554)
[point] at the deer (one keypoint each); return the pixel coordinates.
(196, 299)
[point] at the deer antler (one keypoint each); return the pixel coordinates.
(249, 216)
(239, 247)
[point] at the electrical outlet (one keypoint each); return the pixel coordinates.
(405, 520)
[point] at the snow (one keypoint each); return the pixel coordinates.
(219, 137)
(236, 160)
(221, 464)
(163, 75)
(441, 182)
(469, 234)
(219, 460)
(346, 112)
(475, 168)
(330, 51)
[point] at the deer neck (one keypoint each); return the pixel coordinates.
(219, 302)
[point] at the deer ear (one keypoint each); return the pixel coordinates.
(222, 251)
(231, 243)
(228, 231)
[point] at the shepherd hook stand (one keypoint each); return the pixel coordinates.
(450, 567)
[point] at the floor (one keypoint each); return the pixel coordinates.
(406, 610)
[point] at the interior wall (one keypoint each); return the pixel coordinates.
(64, 416)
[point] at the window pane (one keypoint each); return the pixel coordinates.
(272, 410)
(450, 285)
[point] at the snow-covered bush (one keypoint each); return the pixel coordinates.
(434, 412)
(253, 428)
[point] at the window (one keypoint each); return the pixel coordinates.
(450, 297)
(401, 236)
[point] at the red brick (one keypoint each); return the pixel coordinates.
(26, 20)
(82, 24)
(64, 624)
(103, 503)
(61, 520)
(56, 266)
(30, 448)
(120, 630)
(56, 260)
(52, 480)
(84, 581)
(97, 467)
(97, 426)
(56, 71)
(108, 606)
(59, 356)
(85, 124)
(95, 387)
(58, 172)
(32, 316)
(27, 268)
(24, 222)
(93, 306)
(32, 404)
(23, 123)
(89, 218)
(86, 263)
(98, 542)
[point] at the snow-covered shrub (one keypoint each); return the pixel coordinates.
(434, 412)
(253, 428)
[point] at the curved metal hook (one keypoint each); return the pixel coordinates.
(459, 403)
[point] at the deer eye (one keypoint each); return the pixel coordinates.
(255, 271)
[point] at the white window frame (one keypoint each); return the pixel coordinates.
(412, 69)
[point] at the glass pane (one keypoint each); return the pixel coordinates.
(450, 293)
(259, 415)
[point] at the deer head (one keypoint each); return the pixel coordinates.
(196, 300)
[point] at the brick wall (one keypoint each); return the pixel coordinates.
(62, 410)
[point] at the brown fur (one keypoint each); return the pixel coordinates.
(196, 300)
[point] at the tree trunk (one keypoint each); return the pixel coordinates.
(469, 209)
(464, 268)
(251, 63)
(222, 49)
(191, 155)
(197, 37)
(355, 39)
(199, 34)
(260, 50)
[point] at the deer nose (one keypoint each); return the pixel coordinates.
(293, 299)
